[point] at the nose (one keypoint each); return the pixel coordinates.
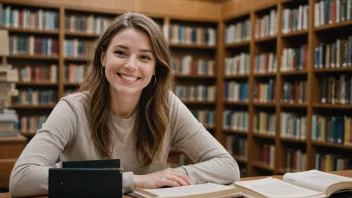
(131, 64)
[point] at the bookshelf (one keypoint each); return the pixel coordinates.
(312, 62)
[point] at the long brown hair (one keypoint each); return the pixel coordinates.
(153, 108)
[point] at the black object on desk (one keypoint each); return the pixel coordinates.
(81, 179)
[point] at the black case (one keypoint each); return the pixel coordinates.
(96, 178)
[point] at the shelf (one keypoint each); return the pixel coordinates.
(295, 34)
(19, 106)
(266, 39)
(33, 57)
(192, 46)
(265, 136)
(212, 128)
(198, 102)
(332, 145)
(236, 103)
(294, 105)
(340, 69)
(240, 158)
(262, 104)
(11, 140)
(233, 77)
(33, 83)
(72, 84)
(333, 26)
(296, 73)
(332, 106)
(293, 140)
(262, 165)
(81, 59)
(240, 132)
(31, 31)
(263, 75)
(82, 34)
(195, 76)
(238, 44)
(28, 134)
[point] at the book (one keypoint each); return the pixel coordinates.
(207, 190)
(311, 183)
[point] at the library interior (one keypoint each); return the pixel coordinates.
(270, 80)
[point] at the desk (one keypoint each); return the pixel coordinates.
(346, 173)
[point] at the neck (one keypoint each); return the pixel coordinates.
(123, 106)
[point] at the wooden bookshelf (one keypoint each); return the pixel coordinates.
(311, 37)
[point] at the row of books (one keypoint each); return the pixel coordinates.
(206, 117)
(268, 155)
(236, 145)
(332, 11)
(235, 120)
(295, 92)
(264, 92)
(334, 55)
(38, 74)
(293, 126)
(295, 161)
(294, 59)
(31, 124)
(188, 65)
(265, 63)
(76, 48)
(265, 123)
(74, 73)
(295, 19)
(190, 35)
(33, 45)
(238, 32)
(35, 97)
(332, 162)
(236, 91)
(237, 65)
(29, 18)
(196, 92)
(8, 123)
(266, 25)
(333, 129)
(90, 24)
(336, 89)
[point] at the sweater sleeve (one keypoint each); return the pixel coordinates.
(29, 176)
(212, 162)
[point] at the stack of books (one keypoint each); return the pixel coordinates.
(8, 118)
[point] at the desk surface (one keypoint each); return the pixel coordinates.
(347, 173)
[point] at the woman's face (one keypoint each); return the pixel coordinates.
(129, 62)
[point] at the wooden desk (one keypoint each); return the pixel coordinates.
(346, 173)
(13, 147)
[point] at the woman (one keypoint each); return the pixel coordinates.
(125, 109)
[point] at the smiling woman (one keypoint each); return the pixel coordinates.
(125, 109)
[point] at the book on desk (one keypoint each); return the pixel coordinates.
(311, 183)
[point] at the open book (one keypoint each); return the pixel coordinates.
(208, 190)
(311, 183)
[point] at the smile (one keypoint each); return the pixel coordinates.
(128, 78)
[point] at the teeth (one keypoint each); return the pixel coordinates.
(129, 78)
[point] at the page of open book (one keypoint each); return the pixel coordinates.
(271, 187)
(188, 190)
(315, 180)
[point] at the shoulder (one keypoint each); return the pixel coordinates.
(77, 101)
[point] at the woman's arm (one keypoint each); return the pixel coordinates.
(212, 162)
(29, 176)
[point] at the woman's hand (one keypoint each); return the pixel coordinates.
(168, 177)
